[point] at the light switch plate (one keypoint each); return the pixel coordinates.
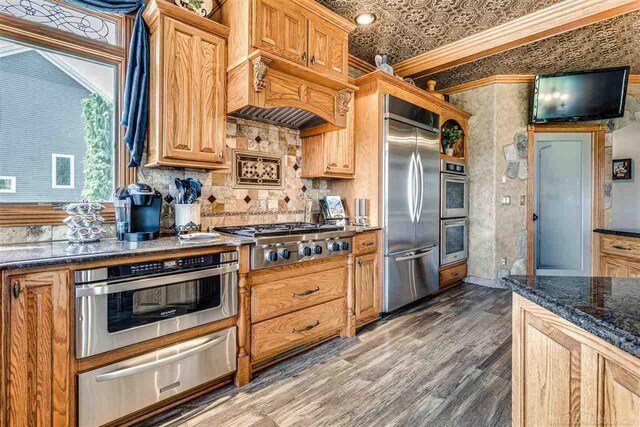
(506, 200)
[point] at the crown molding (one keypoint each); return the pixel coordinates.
(360, 64)
(505, 78)
(553, 20)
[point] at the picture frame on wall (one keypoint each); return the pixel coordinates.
(622, 169)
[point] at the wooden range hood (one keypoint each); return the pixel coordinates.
(288, 62)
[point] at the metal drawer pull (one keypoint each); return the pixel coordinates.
(455, 274)
(367, 244)
(307, 328)
(624, 248)
(16, 290)
(157, 363)
(305, 293)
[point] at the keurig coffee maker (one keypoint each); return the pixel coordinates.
(137, 212)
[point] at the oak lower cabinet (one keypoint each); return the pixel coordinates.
(39, 390)
(330, 154)
(620, 256)
(187, 88)
(563, 375)
(367, 285)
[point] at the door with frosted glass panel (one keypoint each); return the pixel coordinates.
(562, 201)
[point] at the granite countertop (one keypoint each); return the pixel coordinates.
(363, 228)
(605, 307)
(627, 232)
(49, 253)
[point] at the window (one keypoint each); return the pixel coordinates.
(62, 171)
(61, 83)
(7, 184)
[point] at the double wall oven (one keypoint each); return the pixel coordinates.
(454, 210)
(128, 304)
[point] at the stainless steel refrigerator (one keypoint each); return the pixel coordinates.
(411, 189)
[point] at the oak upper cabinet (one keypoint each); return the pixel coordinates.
(330, 154)
(281, 29)
(39, 382)
(187, 88)
(328, 48)
(301, 34)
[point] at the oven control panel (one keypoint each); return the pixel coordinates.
(154, 267)
(453, 167)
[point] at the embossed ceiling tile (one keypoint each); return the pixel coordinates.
(610, 43)
(406, 28)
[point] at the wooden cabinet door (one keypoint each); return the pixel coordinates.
(328, 49)
(367, 287)
(549, 364)
(194, 113)
(610, 267)
(281, 29)
(339, 147)
(39, 387)
(621, 402)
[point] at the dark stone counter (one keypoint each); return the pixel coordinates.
(605, 307)
(630, 232)
(49, 253)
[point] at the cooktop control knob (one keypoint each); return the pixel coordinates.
(272, 256)
(285, 254)
(318, 249)
(345, 246)
(335, 247)
(306, 251)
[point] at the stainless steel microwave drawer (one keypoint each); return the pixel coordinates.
(113, 391)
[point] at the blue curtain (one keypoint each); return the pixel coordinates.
(136, 93)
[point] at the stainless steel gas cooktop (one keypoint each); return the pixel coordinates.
(293, 242)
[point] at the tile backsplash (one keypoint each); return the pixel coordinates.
(221, 203)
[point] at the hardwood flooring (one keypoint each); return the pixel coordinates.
(445, 362)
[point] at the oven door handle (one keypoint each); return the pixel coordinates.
(105, 288)
(126, 372)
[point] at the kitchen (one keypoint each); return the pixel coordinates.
(280, 232)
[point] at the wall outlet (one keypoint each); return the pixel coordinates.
(506, 200)
(503, 262)
(523, 200)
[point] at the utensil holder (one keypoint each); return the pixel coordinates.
(187, 218)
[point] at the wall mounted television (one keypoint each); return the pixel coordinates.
(580, 96)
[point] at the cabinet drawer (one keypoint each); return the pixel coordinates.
(283, 333)
(623, 246)
(295, 293)
(453, 275)
(365, 243)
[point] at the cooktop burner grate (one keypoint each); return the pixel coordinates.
(282, 229)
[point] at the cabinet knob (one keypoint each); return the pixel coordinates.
(313, 59)
(360, 263)
(304, 56)
(220, 154)
(16, 289)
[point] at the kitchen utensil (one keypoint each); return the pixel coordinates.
(191, 196)
(180, 187)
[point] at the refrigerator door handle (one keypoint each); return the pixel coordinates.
(421, 197)
(411, 191)
(412, 255)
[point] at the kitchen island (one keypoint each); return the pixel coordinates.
(576, 350)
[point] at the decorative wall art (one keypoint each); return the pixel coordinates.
(253, 169)
(622, 169)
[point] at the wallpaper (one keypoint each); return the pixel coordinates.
(406, 28)
(610, 43)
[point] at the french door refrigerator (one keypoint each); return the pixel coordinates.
(411, 190)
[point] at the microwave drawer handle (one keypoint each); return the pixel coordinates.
(126, 372)
(105, 288)
(414, 256)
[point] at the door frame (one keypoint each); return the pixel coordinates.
(597, 132)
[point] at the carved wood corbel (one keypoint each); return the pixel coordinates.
(344, 97)
(260, 69)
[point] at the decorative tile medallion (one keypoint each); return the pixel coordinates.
(254, 169)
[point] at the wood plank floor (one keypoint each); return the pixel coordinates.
(445, 362)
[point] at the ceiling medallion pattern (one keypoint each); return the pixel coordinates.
(611, 43)
(406, 28)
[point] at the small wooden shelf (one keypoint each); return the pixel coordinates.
(460, 147)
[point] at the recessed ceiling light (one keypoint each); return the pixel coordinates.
(365, 18)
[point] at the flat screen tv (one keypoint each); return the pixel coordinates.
(579, 96)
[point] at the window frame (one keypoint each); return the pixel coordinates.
(54, 171)
(13, 184)
(41, 35)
